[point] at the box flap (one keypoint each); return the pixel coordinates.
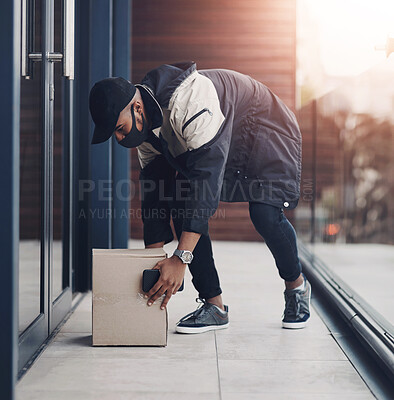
(159, 252)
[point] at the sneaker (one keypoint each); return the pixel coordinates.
(207, 317)
(297, 314)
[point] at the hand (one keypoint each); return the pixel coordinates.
(172, 272)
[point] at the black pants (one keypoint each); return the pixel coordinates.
(269, 221)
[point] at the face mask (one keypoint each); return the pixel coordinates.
(135, 137)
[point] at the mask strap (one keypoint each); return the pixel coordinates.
(134, 123)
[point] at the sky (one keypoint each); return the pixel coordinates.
(348, 32)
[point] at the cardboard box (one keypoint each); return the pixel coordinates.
(120, 314)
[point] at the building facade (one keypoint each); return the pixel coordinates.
(255, 37)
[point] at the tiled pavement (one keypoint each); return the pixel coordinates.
(253, 359)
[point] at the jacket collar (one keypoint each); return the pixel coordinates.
(165, 79)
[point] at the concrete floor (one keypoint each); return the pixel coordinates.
(253, 359)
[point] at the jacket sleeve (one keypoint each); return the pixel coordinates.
(156, 178)
(206, 166)
(198, 119)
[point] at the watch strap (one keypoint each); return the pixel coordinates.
(179, 253)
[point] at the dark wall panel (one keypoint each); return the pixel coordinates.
(255, 37)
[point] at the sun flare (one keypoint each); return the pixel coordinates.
(348, 31)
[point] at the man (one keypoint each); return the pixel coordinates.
(203, 136)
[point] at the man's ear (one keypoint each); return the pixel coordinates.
(138, 107)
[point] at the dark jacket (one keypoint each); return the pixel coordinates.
(232, 138)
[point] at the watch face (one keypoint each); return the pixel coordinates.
(187, 256)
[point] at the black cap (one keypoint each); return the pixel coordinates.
(109, 97)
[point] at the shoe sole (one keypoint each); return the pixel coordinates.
(294, 325)
(202, 329)
(299, 325)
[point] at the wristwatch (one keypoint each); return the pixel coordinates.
(185, 255)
